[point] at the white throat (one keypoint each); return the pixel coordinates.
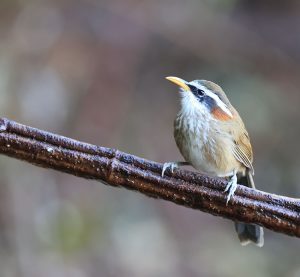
(192, 131)
(191, 107)
(194, 116)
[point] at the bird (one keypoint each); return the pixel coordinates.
(212, 138)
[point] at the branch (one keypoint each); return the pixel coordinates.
(115, 168)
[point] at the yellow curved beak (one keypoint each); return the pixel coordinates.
(180, 82)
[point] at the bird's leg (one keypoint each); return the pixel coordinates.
(231, 186)
(172, 165)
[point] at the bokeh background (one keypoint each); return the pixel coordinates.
(94, 70)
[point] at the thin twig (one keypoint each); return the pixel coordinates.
(115, 168)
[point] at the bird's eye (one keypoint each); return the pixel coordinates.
(196, 91)
(200, 92)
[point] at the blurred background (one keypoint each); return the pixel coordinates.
(94, 70)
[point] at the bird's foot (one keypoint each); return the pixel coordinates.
(231, 187)
(170, 165)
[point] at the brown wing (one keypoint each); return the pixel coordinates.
(243, 151)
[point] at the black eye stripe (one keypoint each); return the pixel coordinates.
(193, 88)
(196, 91)
(201, 92)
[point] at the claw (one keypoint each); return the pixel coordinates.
(231, 187)
(166, 166)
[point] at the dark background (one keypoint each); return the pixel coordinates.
(94, 70)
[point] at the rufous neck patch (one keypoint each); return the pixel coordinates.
(219, 114)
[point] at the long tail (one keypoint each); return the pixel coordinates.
(249, 232)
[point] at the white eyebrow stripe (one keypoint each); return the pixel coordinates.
(219, 102)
